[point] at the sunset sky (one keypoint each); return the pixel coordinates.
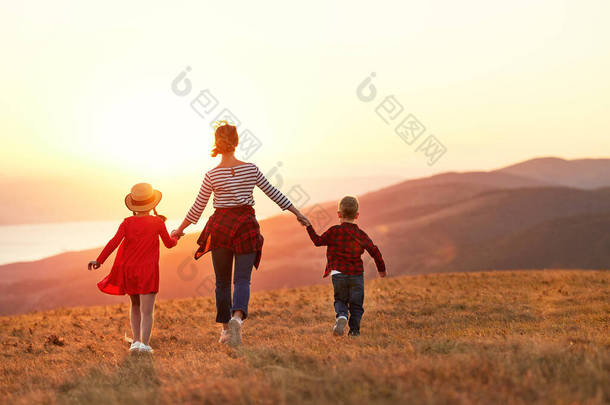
(87, 97)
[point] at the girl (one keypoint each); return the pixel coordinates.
(136, 267)
(232, 233)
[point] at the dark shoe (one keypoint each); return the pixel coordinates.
(354, 333)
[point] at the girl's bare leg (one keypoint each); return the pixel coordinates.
(147, 307)
(135, 318)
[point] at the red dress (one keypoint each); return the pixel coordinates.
(136, 266)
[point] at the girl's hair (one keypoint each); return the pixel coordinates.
(225, 138)
(163, 217)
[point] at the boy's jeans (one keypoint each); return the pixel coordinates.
(349, 297)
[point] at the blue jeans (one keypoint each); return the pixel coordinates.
(349, 298)
(222, 259)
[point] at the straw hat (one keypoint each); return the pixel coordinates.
(142, 197)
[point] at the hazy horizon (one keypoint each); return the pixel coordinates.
(91, 95)
(177, 197)
(96, 99)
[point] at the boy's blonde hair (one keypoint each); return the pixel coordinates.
(348, 207)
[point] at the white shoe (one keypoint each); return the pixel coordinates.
(235, 331)
(224, 336)
(145, 348)
(135, 346)
(340, 324)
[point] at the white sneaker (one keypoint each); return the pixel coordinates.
(135, 346)
(145, 348)
(235, 331)
(340, 324)
(224, 336)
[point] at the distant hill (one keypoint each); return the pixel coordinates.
(444, 223)
(579, 173)
(21, 200)
(465, 235)
(581, 240)
(524, 337)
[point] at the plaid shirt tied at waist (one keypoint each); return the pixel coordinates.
(234, 228)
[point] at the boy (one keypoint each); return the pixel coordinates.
(346, 243)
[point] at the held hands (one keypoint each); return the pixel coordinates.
(300, 217)
(303, 219)
(93, 265)
(177, 234)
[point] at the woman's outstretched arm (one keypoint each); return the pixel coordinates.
(276, 196)
(192, 217)
(273, 193)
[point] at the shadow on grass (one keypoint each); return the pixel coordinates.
(135, 381)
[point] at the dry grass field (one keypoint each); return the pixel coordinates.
(540, 337)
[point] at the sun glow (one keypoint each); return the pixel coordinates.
(142, 136)
(96, 94)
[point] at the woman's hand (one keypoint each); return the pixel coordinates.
(300, 217)
(177, 234)
(93, 265)
(303, 220)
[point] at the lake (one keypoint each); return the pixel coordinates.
(19, 243)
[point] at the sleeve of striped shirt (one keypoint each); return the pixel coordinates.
(272, 192)
(201, 201)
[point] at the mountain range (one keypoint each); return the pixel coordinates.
(541, 213)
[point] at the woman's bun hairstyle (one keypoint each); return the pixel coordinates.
(225, 138)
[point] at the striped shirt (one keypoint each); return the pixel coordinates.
(232, 187)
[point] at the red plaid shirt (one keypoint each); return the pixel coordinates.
(234, 228)
(346, 244)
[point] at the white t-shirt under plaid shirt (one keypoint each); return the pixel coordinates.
(232, 187)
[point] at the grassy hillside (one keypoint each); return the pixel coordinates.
(502, 337)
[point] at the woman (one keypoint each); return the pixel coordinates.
(232, 231)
